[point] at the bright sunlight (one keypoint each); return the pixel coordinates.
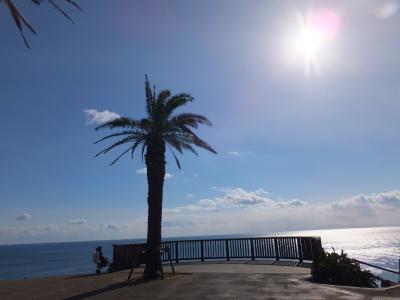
(316, 31)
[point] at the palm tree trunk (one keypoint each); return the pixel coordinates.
(155, 162)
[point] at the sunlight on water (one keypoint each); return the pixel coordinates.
(378, 245)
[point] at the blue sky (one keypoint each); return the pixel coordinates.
(292, 144)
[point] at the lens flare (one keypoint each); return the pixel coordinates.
(316, 31)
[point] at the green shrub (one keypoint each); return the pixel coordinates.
(334, 268)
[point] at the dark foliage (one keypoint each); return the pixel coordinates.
(176, 131)
(21, 21)
(338, 269)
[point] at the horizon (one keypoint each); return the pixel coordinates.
(303, 97)
(240, 235)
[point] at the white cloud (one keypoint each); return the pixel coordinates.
(24, 216)
(240, 211)
(114, 227)
(93, 116)
(77, 221)
(143, 171)
(236, 153)
(238, 198)
(178, 223)
(168, 176)
(189, 196)
(381, 200)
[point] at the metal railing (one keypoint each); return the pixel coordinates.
(275, 248)
(378, 267)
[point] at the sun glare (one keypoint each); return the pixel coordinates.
(308, 42)
(315, 32)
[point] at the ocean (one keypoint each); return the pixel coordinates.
(378, 245)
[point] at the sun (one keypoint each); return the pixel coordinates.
(309, 42)
(315, 33)
(308, 45)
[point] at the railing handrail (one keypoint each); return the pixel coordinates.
(374, 266)
(224, 239)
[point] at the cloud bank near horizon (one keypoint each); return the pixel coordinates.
(234, 211)
(77, 221)
(240, 211)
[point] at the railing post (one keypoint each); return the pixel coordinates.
(276, 249)
(202, 250)
(319, 248)
(252, 249)
(114, 254)
(176, 252)
(227, 249)
(311, 249)
(299, 250)
(316, 248)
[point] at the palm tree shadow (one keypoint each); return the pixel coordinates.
(110, 288)
(82, 276)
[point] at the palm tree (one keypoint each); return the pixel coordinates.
(160, 129)
(20, 20)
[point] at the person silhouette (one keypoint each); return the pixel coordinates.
(100, 260)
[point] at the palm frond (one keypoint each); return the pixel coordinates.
(120, 142)
(150, 99)
(183, 140)
(159, 113)
(176, 159)
(203, 144)
(132, 149)
(60, 10)
(174, 142)
(119, 156)
(176, 101)
(125, 132)
(135, 145)
(122, 122)
(188, 138)
(20, 20)
(190, 119)
(163, 95)
(72, 2)
(52, 2)
(190, 148)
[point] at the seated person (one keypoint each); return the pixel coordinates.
(100, 260)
